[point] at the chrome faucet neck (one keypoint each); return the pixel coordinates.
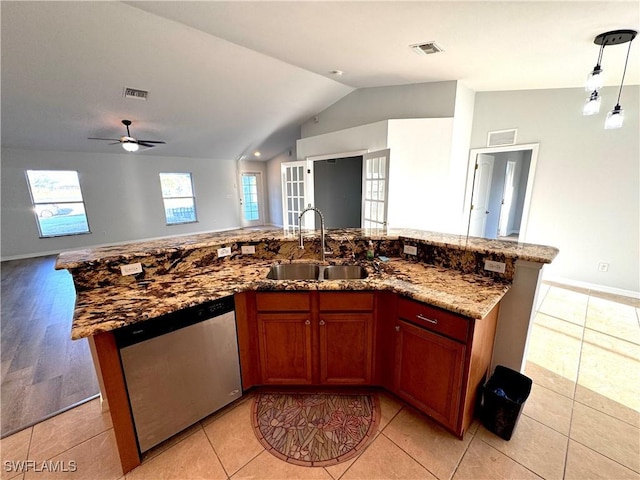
(322, 240)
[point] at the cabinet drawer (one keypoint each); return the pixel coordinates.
(346, 301)
(434, 319)
(283, 302)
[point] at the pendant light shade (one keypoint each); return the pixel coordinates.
(592, 104)
(595, 80)
(614, 118)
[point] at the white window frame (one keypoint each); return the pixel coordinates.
(56, 203)
(192, 197)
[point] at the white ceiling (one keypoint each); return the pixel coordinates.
(226, 78)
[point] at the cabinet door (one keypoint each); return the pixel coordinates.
(346, 345)
(284, 341)
(429, 371)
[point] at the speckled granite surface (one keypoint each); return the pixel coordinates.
(125, 252)
(108, 308)
(185, 271)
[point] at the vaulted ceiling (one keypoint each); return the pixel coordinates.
(226, 78)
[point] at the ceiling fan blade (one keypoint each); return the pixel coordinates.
(151, 141)
(111, 139)
(145, 144)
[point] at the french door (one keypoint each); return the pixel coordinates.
(375, 189)
(295, 195)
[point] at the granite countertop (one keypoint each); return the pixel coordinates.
(104, 309)
(82, 257)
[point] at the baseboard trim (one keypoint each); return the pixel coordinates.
(592, 286)
(123, 242)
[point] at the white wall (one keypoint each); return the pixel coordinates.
(419, 174)
(122, 198)
(274, 185)
(585, 194)
(370, 137)
(369, 105)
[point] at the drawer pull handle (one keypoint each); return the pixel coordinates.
(321, 322)
(430, 320)
(307, 322)
(397, 328)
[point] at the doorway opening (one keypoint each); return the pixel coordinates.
(337, 188)
(499, 186)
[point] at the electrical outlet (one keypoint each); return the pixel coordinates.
(493, 266)
(411, 250)
(248, 249)
(131, 269)
(224, 252)
(603, 267)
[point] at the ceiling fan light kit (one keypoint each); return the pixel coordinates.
(129, 143)
(595, 80)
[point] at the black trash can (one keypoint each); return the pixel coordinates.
(503, 398)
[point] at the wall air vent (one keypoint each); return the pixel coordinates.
(135, 93)
(498, 138)
(426, 48)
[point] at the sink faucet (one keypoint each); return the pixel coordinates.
(310, 208)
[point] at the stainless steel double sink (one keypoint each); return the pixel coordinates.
(310, 271)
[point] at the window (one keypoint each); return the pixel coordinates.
(179, 201)
(57, 202)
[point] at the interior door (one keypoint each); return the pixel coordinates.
(375, 189)
(295, 194)
(507, 199)
(481, 194)
(252, 200)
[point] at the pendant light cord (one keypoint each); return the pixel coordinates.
(624, 72)
(600, 54)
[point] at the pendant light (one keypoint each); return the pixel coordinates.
(592, 105)
(595, 80)
(616, 116)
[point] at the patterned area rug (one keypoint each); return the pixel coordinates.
(315, 429)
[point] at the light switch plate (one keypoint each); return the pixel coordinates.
(131, 269)
(493, 266)
(411, 250)
(224, 252)
(248, 249)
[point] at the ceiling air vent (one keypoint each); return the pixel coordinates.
(502, 137)
(135, 93)
(426, 48)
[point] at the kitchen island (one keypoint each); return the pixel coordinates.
(445, 283)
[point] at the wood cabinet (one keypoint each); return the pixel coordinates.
(432, 358)
(441, 360)
(346, 337)
(315, 337)
(429, 371)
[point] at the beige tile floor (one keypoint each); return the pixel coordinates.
(581, 421)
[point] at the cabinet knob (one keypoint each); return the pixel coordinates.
(321, 322)
(307, 322)
(397, 328)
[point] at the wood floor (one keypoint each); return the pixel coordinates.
(43, 371)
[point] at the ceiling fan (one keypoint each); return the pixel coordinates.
(129, 143)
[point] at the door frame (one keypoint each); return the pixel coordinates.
(473, 153)
(261, 199)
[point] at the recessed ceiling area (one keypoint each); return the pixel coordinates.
(226, 79)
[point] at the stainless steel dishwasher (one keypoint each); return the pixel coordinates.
(179, 368)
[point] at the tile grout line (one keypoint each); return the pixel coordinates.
(511, 458)
(378, 433)
(575, 389)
